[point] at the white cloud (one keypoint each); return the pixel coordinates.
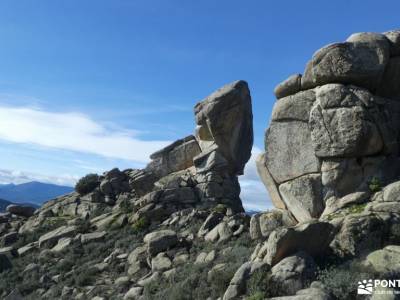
(254, 194)
(72, 131)
(78, 132)
(17, 177)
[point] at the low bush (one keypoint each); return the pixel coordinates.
(341, 281)
(87, 184)
(257, 284)
(375, 185)
(84, 276)
(140, 225)
(256, 296)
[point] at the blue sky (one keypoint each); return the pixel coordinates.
(89, 85)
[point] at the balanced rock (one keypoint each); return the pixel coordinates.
(225, 140)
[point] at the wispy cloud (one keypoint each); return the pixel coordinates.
(17, 177)
(73, 131)
(79, 132)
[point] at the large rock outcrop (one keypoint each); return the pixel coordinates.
(225, 129)
(337, 130)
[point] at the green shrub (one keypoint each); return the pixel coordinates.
(87, 184)
(341, 281)
(83, 225)
(256, 296)
(375, 185)
(220, 208)
(257, 284)
(85, 277)
(140, 225)
(65, 265)
(125, 207)
(356, 208)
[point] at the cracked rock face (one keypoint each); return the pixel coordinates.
(342, 124)
(340, 127)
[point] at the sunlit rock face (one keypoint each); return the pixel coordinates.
(336, 127)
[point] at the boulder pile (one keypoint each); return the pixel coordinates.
(187, 195)
(177, 228)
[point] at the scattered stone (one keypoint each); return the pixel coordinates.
(122, 281)
(386, 260)
(28, 248)
(313, 238)
(21, 210)
(359, 233)
(5, 263)
(237, 286)
(262, 224)
(9, 238)
(333, 205)
(62, 244)
(93, 237)
(161, 262)
(292, 274)
(159, 241)
(14, 295)
(219, 233)
(10, 252)
(212, 220)
(133, 293)
(51, 238)
(307, 294)
(148, 279)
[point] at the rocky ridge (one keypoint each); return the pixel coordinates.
(177, 229)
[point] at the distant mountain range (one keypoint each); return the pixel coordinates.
(5, 203)
(251, 212)
(32, 192)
